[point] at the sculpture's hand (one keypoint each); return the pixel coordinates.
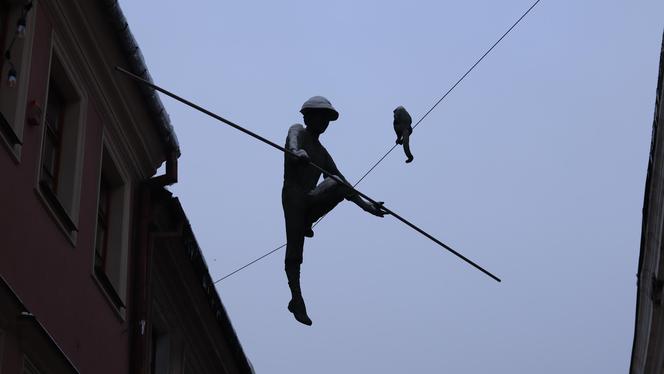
(302, 155)
(376, 209)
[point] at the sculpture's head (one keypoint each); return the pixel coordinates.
(318, 112)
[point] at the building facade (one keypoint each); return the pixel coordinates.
(648, 346)
(85, 258)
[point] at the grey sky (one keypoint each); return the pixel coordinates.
(534, 167)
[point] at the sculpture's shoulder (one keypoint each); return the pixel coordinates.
(297, 127)
(297, 135)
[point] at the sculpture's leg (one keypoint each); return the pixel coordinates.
(295, 214)
(322, 199)
(296, 304)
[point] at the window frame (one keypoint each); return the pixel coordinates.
(64, 204)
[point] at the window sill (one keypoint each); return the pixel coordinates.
(107, 289)
(59, 213)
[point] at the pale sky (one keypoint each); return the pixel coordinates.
(534, 167)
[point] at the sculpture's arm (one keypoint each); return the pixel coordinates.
(294, 142)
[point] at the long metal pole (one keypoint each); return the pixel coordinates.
(288, 151)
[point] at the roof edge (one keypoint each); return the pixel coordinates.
(137, 66)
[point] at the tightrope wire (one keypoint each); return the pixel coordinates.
(395, 145)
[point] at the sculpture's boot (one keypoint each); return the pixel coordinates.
(296, 304)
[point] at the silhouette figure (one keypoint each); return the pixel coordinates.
(304, 201)
(402, 126)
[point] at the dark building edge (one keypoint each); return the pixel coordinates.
(201, 269)
(646, 197)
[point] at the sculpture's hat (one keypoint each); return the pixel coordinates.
(319, 102)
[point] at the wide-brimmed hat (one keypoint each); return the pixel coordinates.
(319, 102)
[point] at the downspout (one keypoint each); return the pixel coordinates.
(141, 310)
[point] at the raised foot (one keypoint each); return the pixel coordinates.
(299, 311)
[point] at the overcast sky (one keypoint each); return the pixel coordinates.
(534, 167)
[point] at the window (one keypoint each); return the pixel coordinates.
(103, 216)
(54, 122)
(112, 231)
(13, 96)
(60, 166)
(160, 352)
